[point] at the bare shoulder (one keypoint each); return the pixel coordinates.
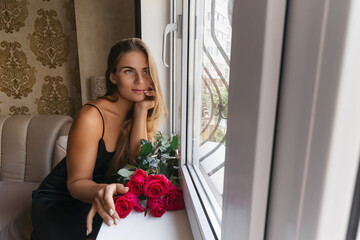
(103, 104)
(88, 120)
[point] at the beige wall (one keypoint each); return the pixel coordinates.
(38, 58)
(42, 48)
(99, 25)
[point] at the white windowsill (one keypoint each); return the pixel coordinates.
(173, 225)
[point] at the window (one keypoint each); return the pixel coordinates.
(316, 92)
(201, 72)
(209, 100)
(202, 85)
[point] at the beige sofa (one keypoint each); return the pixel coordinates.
(30, 146)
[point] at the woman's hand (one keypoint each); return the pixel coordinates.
(104, 205)
(147, 103)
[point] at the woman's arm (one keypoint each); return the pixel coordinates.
(84, 136)
(139, 130)
(82, 149)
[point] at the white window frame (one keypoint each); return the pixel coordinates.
(244, 211)
(321, 51)
(318, 139)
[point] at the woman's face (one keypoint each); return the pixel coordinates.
(132, 76)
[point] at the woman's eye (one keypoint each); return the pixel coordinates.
(145, 72)
(128, 71)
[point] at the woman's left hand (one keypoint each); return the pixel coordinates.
(147, 103)
(103, 204)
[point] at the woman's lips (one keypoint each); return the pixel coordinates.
(138, 91)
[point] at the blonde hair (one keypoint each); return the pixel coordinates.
(122, 154)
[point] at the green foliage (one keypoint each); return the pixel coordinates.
(146, 147)
(224, 94)
(218, 136)
(160, 157)
(125, 173)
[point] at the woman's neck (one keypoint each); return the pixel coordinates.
(123, 106)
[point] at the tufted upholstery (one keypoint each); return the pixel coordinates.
(30, 146)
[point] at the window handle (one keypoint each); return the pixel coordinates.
(168, 29)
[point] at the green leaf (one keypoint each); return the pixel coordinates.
(146, 209)
(130, 166)
(143, 141)
(165, 170)
(157, 136)
(175, 142)
(146, 149)
(125, 173)
(164, 148)
(164, 139)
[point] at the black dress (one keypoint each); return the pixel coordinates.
(55, 213)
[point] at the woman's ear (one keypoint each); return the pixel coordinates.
(113, 78)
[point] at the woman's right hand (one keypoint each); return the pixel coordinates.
(103, 204)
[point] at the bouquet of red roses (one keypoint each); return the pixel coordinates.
(153, 181)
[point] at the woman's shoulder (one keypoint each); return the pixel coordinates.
(88, 116)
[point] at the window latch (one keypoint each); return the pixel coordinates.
(171, 27)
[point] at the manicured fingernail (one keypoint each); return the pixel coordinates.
(87, 232)
(117, 221)
(111, 212)
(127, 188)
(110, 222)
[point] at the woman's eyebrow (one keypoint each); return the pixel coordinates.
(128, 67)
(145, 68)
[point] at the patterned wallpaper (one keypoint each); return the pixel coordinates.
(39, 69)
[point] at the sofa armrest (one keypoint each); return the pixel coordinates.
(59, 150)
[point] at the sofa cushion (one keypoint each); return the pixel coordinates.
(27, 146)
(13, 149)
(15, 209)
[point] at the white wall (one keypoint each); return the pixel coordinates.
(155, 14)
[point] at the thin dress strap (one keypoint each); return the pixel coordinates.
(100, 115)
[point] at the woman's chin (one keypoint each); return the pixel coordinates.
(139, 99)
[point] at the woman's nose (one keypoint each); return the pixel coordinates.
(139, 78)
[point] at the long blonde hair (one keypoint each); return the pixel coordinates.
(122, 154)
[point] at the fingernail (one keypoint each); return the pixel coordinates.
(110, 222)
(117, 221)
(127, 188)
(87, 232)
(111, 212)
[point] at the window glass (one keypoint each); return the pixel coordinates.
(210, 99)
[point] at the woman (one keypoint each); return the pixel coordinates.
(74, 198)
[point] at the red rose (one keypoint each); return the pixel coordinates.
(139, 173)
(156, 186)
(173, 199)
(156, 206)
(137, 181)
(123, 205)
(136, 202)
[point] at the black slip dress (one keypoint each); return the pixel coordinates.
(55, 213)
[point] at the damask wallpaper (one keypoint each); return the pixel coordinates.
(39, 69)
